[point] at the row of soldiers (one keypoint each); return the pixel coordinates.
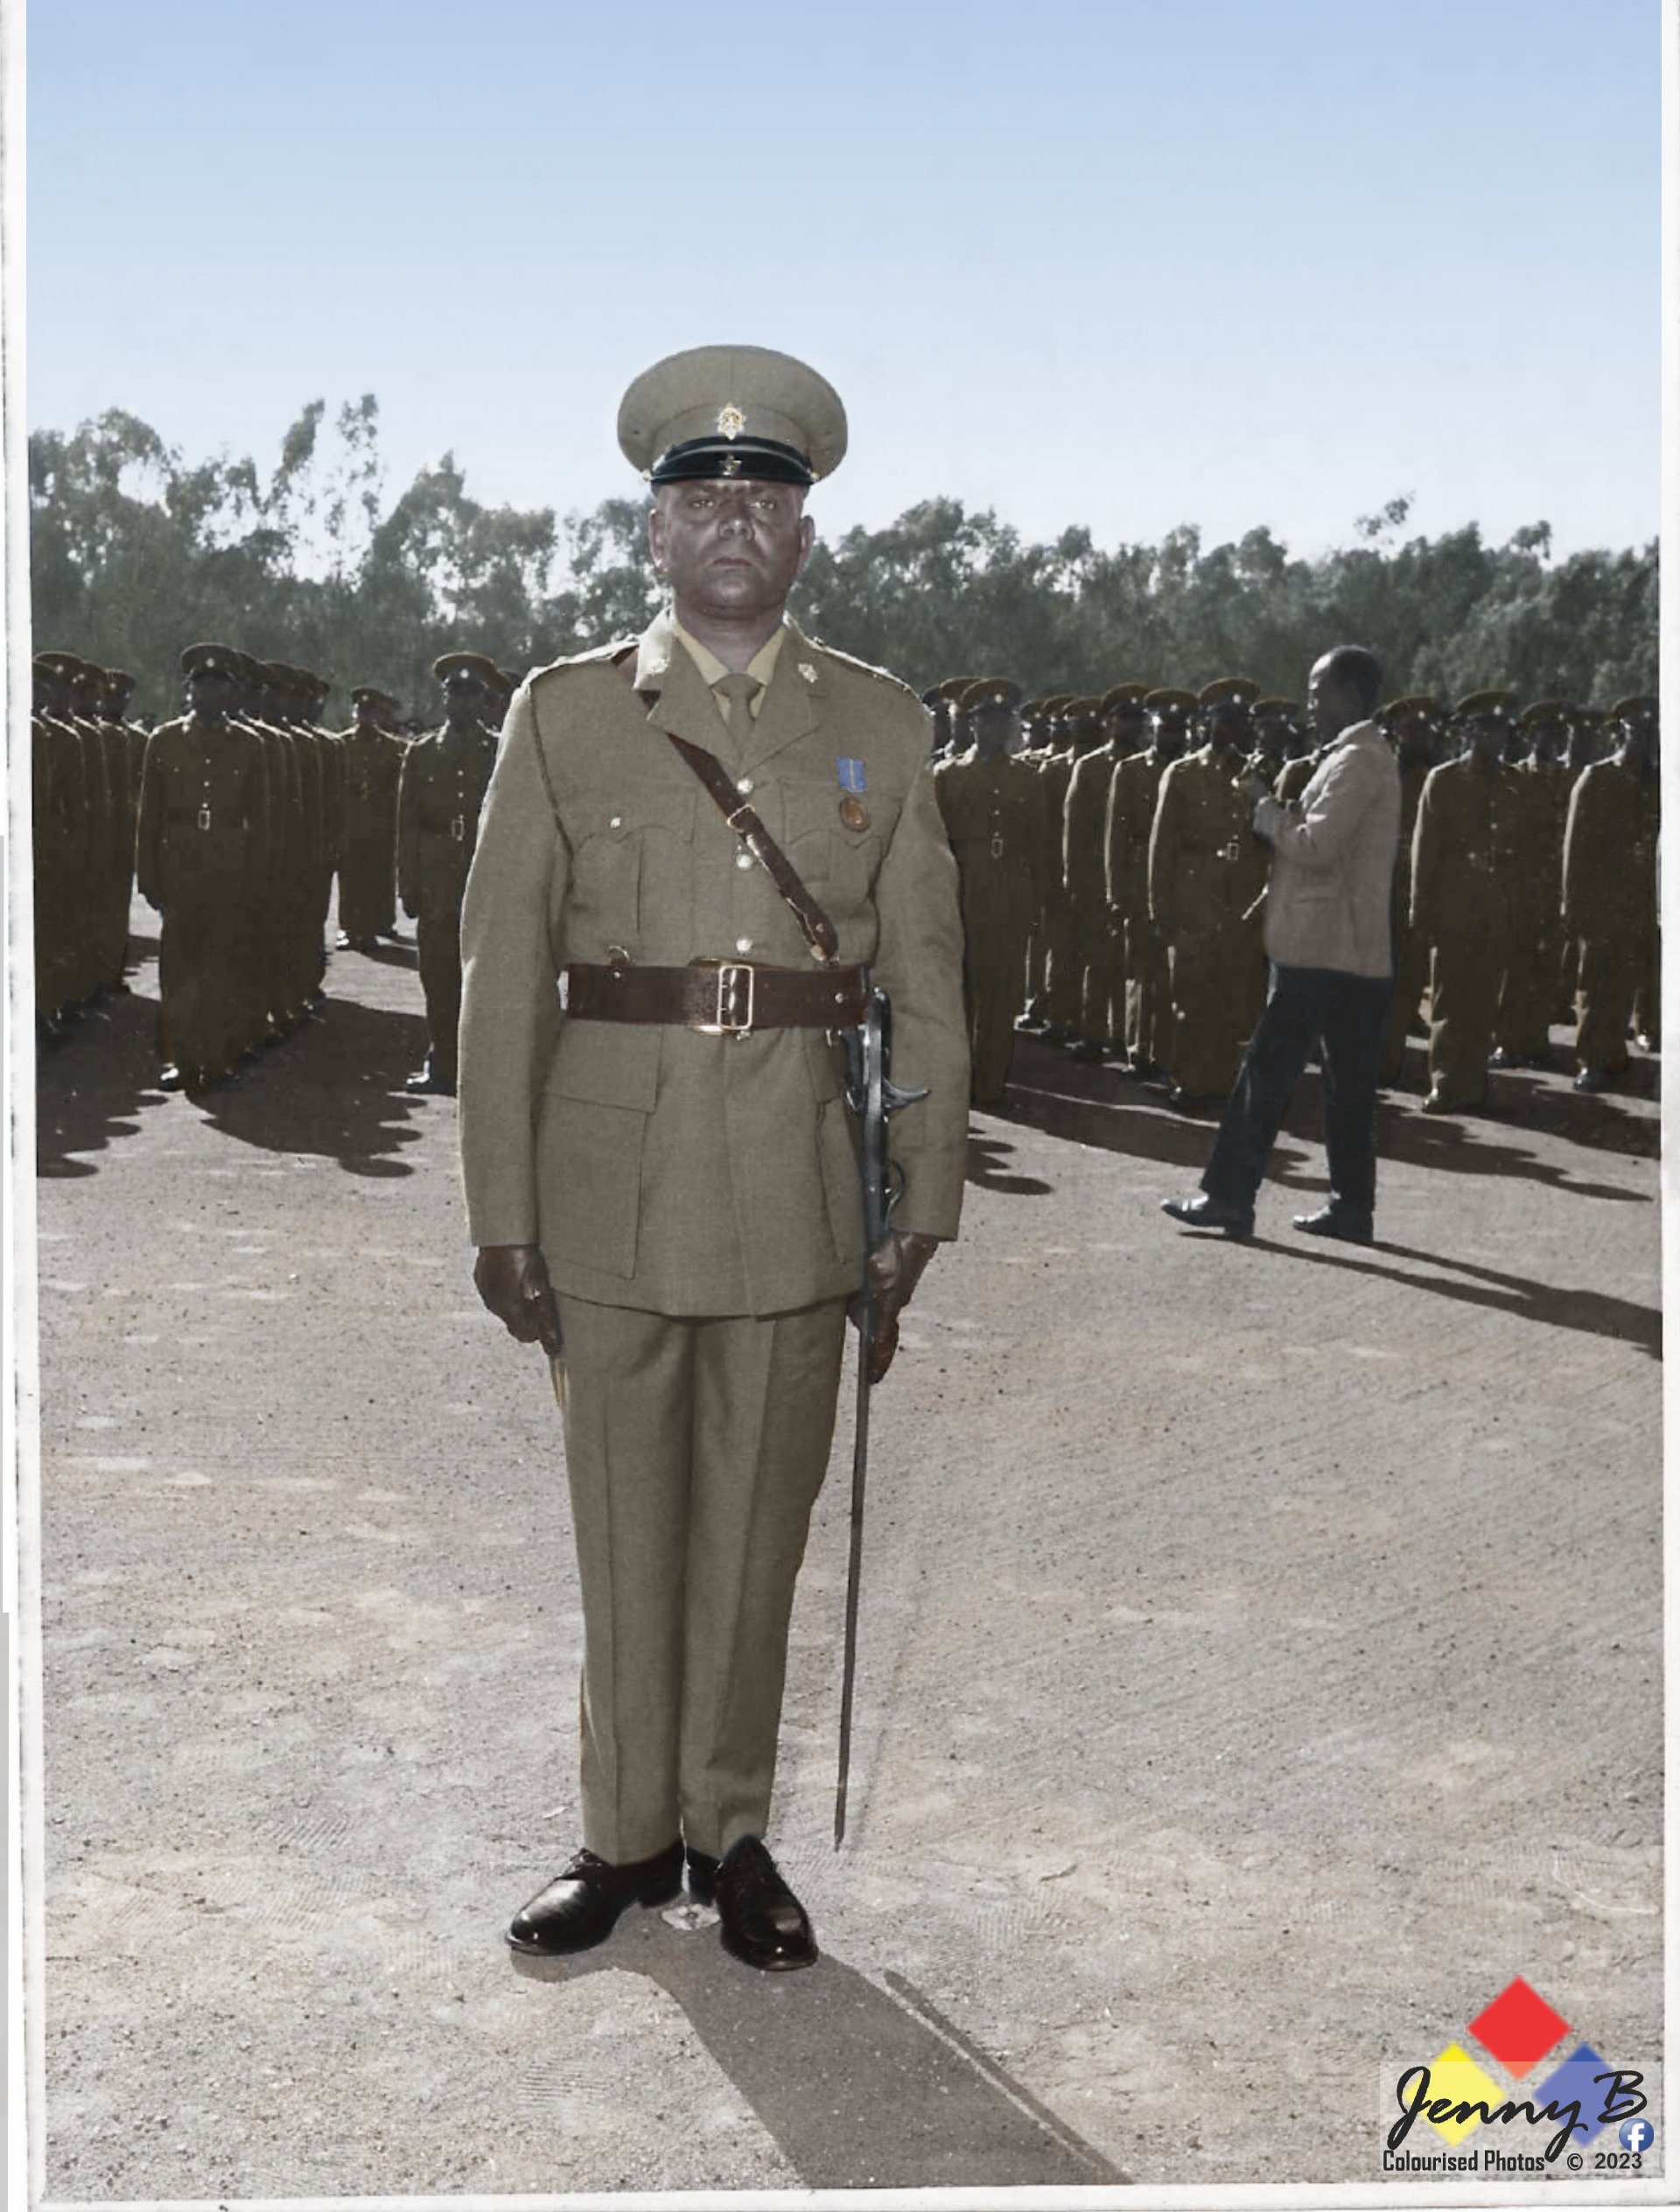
(1113, 889)
(233, 821)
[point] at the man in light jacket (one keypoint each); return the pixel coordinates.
(1329, 941)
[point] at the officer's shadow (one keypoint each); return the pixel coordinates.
(860, 2086)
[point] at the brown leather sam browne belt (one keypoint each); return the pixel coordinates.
(725, 998)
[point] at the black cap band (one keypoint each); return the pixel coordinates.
(765, 460)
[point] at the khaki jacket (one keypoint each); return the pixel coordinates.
(1330, 897)
(658, 1167)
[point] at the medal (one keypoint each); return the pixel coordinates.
(854, 812)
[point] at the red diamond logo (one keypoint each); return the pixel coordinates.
(1519, 2027)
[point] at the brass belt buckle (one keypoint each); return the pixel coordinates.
(730, 1023)
(997, 845)
(458, 829)
(203, 815)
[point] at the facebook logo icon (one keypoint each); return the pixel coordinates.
(1636, 2135)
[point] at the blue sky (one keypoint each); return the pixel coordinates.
(1128, 265)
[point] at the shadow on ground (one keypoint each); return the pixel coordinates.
(334, 1086)
(1100, 1106)
(861, 2089)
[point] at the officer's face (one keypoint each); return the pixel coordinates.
(211, 694)
(730, 548)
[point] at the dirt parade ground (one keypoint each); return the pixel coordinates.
(1260, 1663)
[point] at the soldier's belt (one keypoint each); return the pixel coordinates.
(723, 999)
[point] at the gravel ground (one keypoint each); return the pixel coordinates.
(1260, 1661)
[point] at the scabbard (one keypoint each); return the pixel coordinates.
(855, 1560)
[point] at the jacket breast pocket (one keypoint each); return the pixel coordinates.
(826, 849)
(626, 848)
(592, 1128)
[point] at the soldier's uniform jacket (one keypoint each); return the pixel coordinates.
(372, 762)
(1206, 866)
(203, 808)
(1610, 851)
(657, 1166)
(1133, 790)
(1463, 849)
(440, 793)
(993, 813)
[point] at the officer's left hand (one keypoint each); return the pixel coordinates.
(895, 1268)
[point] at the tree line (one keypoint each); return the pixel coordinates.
(136, 551)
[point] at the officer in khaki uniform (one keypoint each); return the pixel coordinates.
(660, 1173)
(992, 804)
(440, 793)
(1095, 940)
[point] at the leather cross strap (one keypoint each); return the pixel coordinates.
(725, 999)
(820, 932)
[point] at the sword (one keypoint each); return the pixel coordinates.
(872, 1094)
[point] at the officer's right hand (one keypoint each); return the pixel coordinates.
(513, 1280)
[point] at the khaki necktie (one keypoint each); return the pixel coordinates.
(732, 691)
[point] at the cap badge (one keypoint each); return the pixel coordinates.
(731, 421)
(729, 466)
(807, 672)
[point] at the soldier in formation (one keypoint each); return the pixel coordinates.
(440, 795)
(85, 760)
(372, 755)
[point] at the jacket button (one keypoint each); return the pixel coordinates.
(745, 785)
(743, 860)
(743, 944)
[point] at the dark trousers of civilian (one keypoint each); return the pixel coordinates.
(1345, 1017)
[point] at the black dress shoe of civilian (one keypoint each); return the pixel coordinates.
(1202, 1212)
(763, 1921)
(581, 1907)
(1591, 1079)
(1332, 1221)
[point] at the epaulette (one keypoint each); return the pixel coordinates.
(619, 649)
(863, 668)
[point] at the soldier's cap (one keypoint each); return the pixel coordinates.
(1493, 703)
(1639, 706)
(991, 691)
(1058, 703)
(1589, 717)
(1542, 710)
(215, 660)
(510, 680)
(1409, 703)
(55, 668)
(1167, 700)
(473, 667)
(370, 695)
(116, 680)
(1271, 710)
(1089, 706)
(733, 410)
(953, 686)
(1124, 695)
(1237, 690)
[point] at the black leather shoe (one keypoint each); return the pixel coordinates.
(581, 1907)
(762, 1921)
(1352, 1228)
(1202, 1212)
(1591, 1079)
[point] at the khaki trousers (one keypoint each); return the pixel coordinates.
(695, 1451)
